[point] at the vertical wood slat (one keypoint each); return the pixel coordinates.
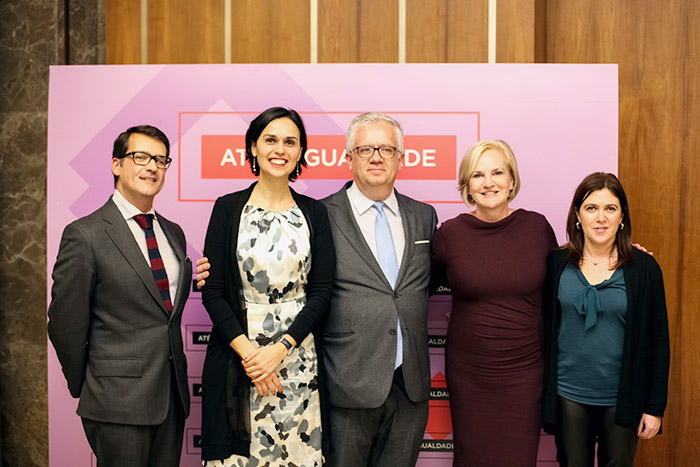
(686, 379)
(447, 31)
(358, 31)
(123, 31)
(182, 31)
(520, 31)
(656, 46)
(273, 31)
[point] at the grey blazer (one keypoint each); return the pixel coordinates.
(115, 340)
(360, 332)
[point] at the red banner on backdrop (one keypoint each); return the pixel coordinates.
(426, 157)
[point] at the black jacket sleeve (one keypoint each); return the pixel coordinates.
(319, 288)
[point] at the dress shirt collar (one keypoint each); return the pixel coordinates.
(363, 203)
(127, 209)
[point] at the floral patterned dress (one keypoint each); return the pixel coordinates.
(274, 261)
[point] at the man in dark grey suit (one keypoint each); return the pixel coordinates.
(121, 281)
(376, 335)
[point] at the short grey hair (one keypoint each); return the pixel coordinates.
(367, 118)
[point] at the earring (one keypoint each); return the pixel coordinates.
(298, 170)
(622, 226)
(578, 225)
(255, 166)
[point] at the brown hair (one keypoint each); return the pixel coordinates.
(594, 182)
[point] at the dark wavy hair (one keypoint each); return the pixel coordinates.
(594, 182)
(258, 125)
(121, 144)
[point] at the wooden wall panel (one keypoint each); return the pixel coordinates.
(655, 45)
(686, 348)
(447, 31)
(273, 31)
(520, 31)
(123, 31)
(182, 31)
(352, 31)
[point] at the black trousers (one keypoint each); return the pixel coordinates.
(389, 435)
(582, 426)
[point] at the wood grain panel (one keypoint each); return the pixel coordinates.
(358, 31)
(123, 31)
(656, 46)
(520, 31)
(337, 31)
(182, 31)
(439, 31)
(273, 31)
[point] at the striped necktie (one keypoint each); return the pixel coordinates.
(145, 221)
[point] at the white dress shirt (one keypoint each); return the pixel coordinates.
(170, 261)
(365, 216)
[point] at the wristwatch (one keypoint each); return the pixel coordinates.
(287, 344)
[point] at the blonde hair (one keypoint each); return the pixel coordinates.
(471, 158)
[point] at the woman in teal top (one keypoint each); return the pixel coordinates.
(607, 346)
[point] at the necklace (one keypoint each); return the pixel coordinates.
(612, 258)
(595, 263)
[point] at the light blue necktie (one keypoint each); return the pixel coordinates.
(386, 255)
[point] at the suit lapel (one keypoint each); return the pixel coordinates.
(123, 239)
(408, 220)
(341, 213)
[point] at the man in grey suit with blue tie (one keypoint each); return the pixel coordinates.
(120, 284)
(376, 335)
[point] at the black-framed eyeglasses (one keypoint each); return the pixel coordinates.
(144, 158)
(386, 152)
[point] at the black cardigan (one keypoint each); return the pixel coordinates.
(225, 385)
(645, 352)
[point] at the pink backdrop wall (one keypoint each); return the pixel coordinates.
(561, 121)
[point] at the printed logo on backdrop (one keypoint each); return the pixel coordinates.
(197, 337)
(439, 427)
(211, 152)
(195, 384)
(193, 441)
(437, 341)
(426, 157)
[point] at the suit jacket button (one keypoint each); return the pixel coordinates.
(396, 295)
(392, 331)
(170, 358)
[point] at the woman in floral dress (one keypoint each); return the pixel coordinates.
(271, 277)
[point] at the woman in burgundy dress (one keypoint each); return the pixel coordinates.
(494, 259)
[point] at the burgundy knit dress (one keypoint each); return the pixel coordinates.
(493, 356)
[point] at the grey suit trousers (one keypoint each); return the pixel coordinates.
(119, 445)
(389, 435)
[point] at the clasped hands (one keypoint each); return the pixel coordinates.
(260, 363)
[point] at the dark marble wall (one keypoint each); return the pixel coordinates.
(32, 37)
